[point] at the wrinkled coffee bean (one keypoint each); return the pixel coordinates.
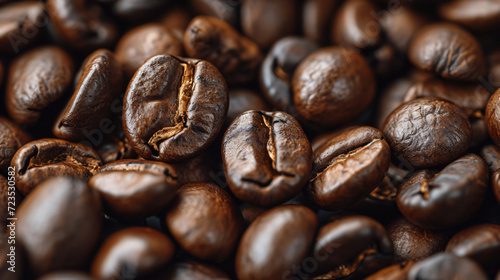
(427, 132)
(446, 266)
(12, 137)
(269, 249)
(440, 200)
(267, 157)
(58, 225)
(493, 117)
(132, 252)
(45, 158)
(348, 167)
(36, 80)
(205, 221)
(174, 108)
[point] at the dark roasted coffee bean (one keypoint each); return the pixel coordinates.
(265, 22)
(493, 117)
(9, 199)
(446, 266)
(317, 16)
(216, 41)
(400, 26)
(143, 42)
(174, 108)
(12, 137)
(267, 157)
(65, 214)
(89, 108)
(277, 70)
(480, 243)
(45, 158)
(479, 16)
(21, 24)
(25, 97)
(221, 9)
(132, 253)
(205, 221)
(132, 194)
(193, 270)
(133, 10)
(413, 243)
(491, 155)
(242, 100)
(332, 86)
(448, 51)
(66, 275)
(269, 249)
(393, 272)
(348, 167)
(141, 166)
(82, 26)
(427, 132)
(354, 246)
(447, 198)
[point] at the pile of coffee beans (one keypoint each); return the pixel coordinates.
(249, 139)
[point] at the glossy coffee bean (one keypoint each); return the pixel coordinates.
(493, 117)
(478, 16)
(427, 132)
(89, 108)
(211, 39)
(12, 137)
(348, 167)
(194, 270)
(134, 195)
(66, 275)
(353, 246)
(316, 19)
(26, 98)
(413, 243)
(332, 86)
(393, 272)
(480, 243)
(269, 249)
(174, 108)
(132, 10)
(82, 26)
(277, 70)
(400, 26)
(446, 266)
(65, 214)
(9, 199)
(242, 100)
(143, 42)
(45, 158)
(227, 11)
(447, 198)
(265, 22)
(205, 221)
(21, 25)
(449, 51)
(142, 166)
(267, 157)
(132, 253)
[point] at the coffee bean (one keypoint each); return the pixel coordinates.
(332, 86)
(49, 66)
(12, 137)
(267, 157)
(174, 108)
(348, 167)
(264, 245)
(58, 225)
(493, 117)
(45, 158)
(446, 266)
(478, 16)
(132, 253)
(444, 199)
(211, 39)
(491, 155)
(100, 85)
(205, 221)
(316, 19)
(427, 132)
(449, 51)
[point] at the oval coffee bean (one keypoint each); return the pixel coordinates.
(446, 266)
(480, 243)
(45, 158)
(427, 132)
(100, 85)
(493, 117)
(174, 108)
(479, 16)
(353, 246)
(348, 167)
(25, 96)
(445, 199)
(194, 270)
(205, 221)
(216, 41)
(58, 225)
(137, 251)
(269, 249)
(449, 51)
(332, 86)
(12, 137)
(267, 157)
